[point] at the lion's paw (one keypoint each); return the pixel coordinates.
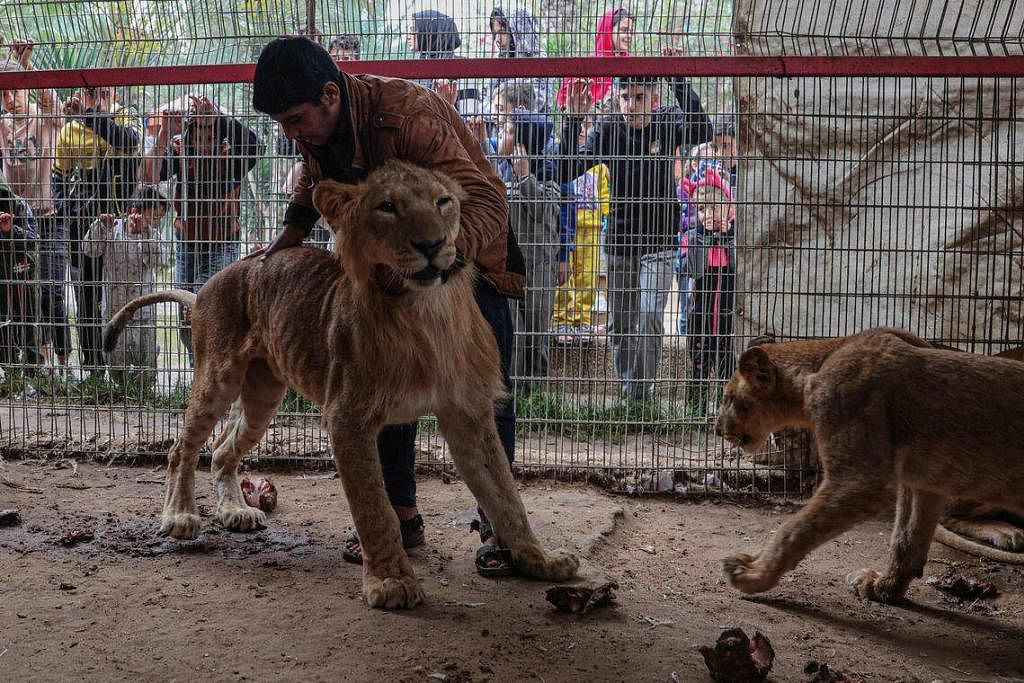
(870, 585)
(392, 592)
(742, 574)
(554, 566)
(1005, 537)
(183, 525)
(241, 518)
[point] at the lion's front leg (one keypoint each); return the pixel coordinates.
(917, 514)
(476, 449)
(388, 578)
(834, 508)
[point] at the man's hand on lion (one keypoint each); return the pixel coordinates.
(291, 236)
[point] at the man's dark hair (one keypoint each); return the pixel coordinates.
(148, 198)
(291, 70)
(345, 41)
(646, 81)
(517, 94)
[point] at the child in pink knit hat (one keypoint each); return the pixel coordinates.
(711, 262)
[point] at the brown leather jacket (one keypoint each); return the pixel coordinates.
(389, 118)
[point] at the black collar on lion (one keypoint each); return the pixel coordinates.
(393, 283)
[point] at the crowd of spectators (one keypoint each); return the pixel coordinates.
(615, 197)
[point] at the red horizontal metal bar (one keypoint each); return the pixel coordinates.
(1009, 66)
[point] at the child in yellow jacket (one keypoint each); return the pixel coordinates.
(574, 300)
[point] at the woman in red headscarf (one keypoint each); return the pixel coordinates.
(614, 39)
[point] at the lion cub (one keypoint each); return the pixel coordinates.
(891, 418)
(382, 332)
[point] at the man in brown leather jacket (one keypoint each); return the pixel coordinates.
(345, 127)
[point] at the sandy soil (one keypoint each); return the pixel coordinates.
(281, 605)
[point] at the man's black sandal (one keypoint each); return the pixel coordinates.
(412, 536)
(488, 554)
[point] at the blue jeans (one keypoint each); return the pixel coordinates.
(638, 289)
(196, 263)
(396, 444)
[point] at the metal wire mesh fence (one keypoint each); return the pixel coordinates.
(664, 222)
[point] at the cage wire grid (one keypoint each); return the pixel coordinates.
(859, 201)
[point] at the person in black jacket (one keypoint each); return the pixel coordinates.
(208, 153)
(94, 172)
(639, 145)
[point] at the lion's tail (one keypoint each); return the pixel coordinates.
(958, 542)
(112, 330)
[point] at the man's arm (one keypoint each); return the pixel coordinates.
(439, 142)
(47, 101)
(694, 125)
(301, 214)
(123, 138)
(157, 161)
(246, 146)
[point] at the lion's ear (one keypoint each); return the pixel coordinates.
(330, 197)
(768, 338)
(757, 367)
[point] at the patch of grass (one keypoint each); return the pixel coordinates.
(294, 402)
(175, 399)
(583, 421)
(13, 383)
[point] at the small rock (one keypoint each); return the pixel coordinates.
(67, 586)
(821, 673)
(736, 658)
(962, 587)
(76, 536)
(10, 518)
(582, 599)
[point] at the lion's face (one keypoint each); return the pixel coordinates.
(397, 228)
(753, 405)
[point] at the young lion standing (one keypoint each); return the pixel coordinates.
(878, 405)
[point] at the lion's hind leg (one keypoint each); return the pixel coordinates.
(476, 449)
(213, 390)
(917, 514)
(250, 416)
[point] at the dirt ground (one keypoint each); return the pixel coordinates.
(280, 604)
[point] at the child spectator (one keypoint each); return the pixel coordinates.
(572, 322)
(517, 34)
(94, 172)
(711, 262)
(18, 301)
(130, 248)
(344, 48)
(639, 146)
(28, 139)
(534, 196)
(209, 154)
(688, 169)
